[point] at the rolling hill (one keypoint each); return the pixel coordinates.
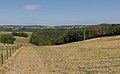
(99, 55)
(94, 56)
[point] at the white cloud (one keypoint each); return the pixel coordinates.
(32, 7)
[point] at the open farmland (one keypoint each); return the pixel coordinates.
(60, 37)
(100, 55)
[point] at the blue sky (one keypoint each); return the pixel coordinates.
(57, 12)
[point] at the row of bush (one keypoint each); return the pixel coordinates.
(74, 35)
(21, 34)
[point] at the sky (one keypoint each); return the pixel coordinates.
(59, 12)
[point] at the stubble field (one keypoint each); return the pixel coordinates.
(100, 55)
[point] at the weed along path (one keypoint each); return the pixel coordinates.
(27, 61)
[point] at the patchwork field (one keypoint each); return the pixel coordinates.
(95, 56)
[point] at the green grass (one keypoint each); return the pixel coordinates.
(29, 33)
(22, 40)
(95, 56)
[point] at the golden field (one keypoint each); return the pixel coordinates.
(95, 56)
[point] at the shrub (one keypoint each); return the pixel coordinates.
(7, 39)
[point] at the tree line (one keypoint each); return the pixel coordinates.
(76, 34)
(20, 34)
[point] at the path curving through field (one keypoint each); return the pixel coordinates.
(27, 61)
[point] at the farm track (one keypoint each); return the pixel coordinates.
(27, 61)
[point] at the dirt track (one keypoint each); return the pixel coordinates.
(26, 62)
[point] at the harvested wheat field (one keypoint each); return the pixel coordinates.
(95, 56)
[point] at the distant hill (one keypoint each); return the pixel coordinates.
(35, 27)
(105, 24)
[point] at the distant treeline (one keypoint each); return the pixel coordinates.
(73, 35)
(35, 28)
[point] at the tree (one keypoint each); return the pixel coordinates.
(7, 39)
(39, 39)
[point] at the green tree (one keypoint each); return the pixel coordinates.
(39, 39)
(7, 39)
